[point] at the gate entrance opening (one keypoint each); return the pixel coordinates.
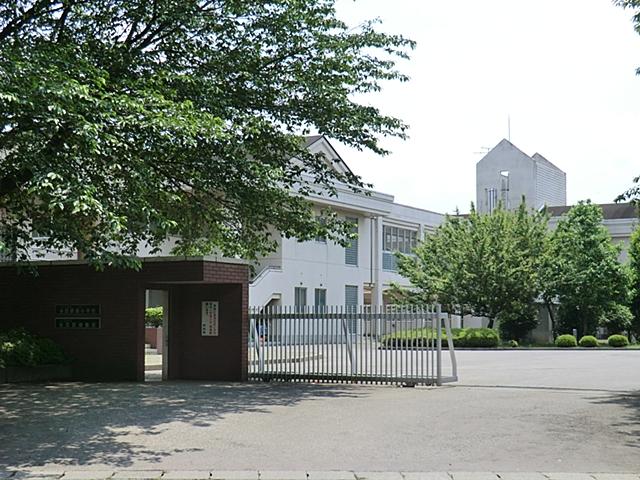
(156, 331)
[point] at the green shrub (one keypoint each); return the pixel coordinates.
(479, 338)
(20, 348)
(618, 341)
(588, 341)
(512, 344)
(566, 341)
(153, 317)
(462, 338)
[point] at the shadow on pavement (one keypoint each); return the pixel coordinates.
(629, 424)
(77, 423)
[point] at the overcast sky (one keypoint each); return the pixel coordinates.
(563, 70)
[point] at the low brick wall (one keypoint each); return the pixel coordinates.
(40, 373)
(153, 336)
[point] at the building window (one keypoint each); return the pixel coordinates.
(351, 302)
(320, 297)
(300, 297)
(504, 189)
(351, 295)
(351, 251)
(396, 239)
(321, 238)
(492, 199)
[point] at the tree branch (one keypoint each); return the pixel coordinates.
(37, 9)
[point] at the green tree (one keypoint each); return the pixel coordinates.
(485, 265)
(125, 121)
(616, 318)
(634, 267)
(583, 271)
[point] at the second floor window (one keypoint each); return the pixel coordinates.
(351, 251)
(395, 239)
(321, 238)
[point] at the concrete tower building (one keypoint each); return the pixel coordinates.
(506, 174)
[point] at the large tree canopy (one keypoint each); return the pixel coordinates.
(125, 121)
(486, 265)
(582, 270)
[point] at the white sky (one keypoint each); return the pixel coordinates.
(564, 70)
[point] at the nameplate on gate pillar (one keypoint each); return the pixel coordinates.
(209, 319)
(78, 317)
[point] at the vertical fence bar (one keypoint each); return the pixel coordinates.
(433, 340)
(414, 341)
(439, 359)
(273, 337)
(263, 350)
(452, 353)
(420, 323)
(325, 348)
(339, 344)
(376, 338)
(291, 345)
(371, 371)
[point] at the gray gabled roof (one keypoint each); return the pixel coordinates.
(504, 143)
(539, 158)
(536, 156)
(311, 139)
(610, 211)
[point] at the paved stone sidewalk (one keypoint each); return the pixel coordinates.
(62, 474)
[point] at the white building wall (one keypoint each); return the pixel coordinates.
(551, 186)
(313, 264)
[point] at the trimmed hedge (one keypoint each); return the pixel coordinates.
(588, 341)
(19, 348)
(618, 341)
(153, 317)
(462, 338)
(566, 341)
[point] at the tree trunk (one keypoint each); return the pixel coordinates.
(552, 318)
(490, 324)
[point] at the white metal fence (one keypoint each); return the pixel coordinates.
(351, 344)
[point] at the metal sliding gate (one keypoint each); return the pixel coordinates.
(392, 344)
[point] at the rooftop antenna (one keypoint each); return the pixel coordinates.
(509, 127)
(483, 151)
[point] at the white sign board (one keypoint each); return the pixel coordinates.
(209, 319)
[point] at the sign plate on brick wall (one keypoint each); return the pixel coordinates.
(78, 316)
(209, 319)
(77, 323)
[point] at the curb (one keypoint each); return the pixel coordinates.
(137, 474)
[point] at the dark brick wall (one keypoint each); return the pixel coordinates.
(196, 357)
(116, 350)
(108, 353)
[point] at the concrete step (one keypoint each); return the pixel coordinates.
(150, 351)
